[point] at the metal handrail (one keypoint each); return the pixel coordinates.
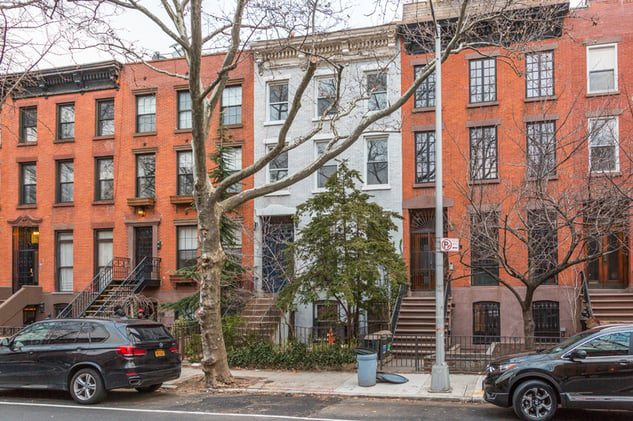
(84, 299)
(130, 285)
(447, 296)
(585, 292)
(395, 314)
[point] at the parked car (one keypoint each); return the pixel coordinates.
(88, 357)
(591, 370)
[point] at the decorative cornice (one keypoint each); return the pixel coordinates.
(25, 221)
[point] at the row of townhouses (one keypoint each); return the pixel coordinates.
(96, 167)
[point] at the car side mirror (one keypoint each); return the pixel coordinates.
(578, 354)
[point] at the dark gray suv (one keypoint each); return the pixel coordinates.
(88, 357)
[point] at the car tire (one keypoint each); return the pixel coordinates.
(150, 388)
(86, 387)
(535, 400)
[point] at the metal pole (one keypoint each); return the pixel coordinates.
(439, 375)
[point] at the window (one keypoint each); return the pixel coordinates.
(326, 96)
(486, 322)
(277, 233)
(483, 80)
(483, 153)
(64, 272)
(541, 149)
(377, 90)
(184, 110)
(546, 321)
(65, 181)
(146, 113)
(231, 107)
(145, 175)
(425, 157)
(185, 172)
(28, 125)
(377, 163)
(28, 183)
(277, 101)
(105, 117)
(187, 246)
(484, 248)
(234, 164)
(603, 145)
(278, 167)
(326, 318)
(539, 74)
(104, 185)
(65, 121)
(103, 248)
(425, 94)
(611, 345)
(542, 245)
(602, 65)
(327, 169)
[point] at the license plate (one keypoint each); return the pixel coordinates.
(159, 353)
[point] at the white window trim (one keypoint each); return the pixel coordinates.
(591, 122)
(318, 189)
(615, 68)
(367, 186)
(269, 83)
(317, 79)
(366, 92)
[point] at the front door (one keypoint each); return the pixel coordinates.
(25, 256)
(277, 232)
(611, 269)
(144, 248)
(422, 248)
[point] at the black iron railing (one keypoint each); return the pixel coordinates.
(585, 293)
(395, 315)
(118, 268)
(133, 283)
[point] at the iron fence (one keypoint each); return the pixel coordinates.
(6, 331)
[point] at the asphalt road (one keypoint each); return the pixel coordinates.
(170, 405)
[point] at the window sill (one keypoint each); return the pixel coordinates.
(180, 131)
(274, 123)
(144, 134)
(429, 185)
(108, 137)
(605, 174)
(23, 144)
(181, 280)
(548, 177)
(234, 126)
(482, 104)
(278, 193)
(541, 99)
(376, 187)
(483, 182)
(64, 140)
(423, 110)
(182, 199)
(602, 93)
(33, 206)
(63, 205)
(102, 202)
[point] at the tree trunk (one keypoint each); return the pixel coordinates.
(528, 319)
(212, 257)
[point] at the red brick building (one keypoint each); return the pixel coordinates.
(95, 164)
(564, 87)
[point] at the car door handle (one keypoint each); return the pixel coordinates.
(625, 362)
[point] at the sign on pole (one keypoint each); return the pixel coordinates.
(449, 244)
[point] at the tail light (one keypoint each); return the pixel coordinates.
(174, 349)
(130, 351)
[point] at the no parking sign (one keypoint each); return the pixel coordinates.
(449, 244)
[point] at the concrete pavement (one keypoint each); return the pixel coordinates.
(464, 387)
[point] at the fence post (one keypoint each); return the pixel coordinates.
(416, 356)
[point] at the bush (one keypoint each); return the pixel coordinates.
(261, 354)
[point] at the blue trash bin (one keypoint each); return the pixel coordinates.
(367, 360)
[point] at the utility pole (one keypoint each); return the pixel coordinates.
(439, 375)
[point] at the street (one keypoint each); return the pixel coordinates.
(127, 405)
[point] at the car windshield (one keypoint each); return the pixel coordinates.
(566, 343)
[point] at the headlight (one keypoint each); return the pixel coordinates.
(499, 368)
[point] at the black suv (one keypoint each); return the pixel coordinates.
(592, 370)
(88, 357)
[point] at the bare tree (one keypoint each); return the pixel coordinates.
(556, 214)
(297, 25)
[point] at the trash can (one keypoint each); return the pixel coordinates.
(367, 360)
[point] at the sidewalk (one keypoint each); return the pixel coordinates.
(464, 387)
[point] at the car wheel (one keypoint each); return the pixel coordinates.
(86, 387)
(150, 388)
(535, 400)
